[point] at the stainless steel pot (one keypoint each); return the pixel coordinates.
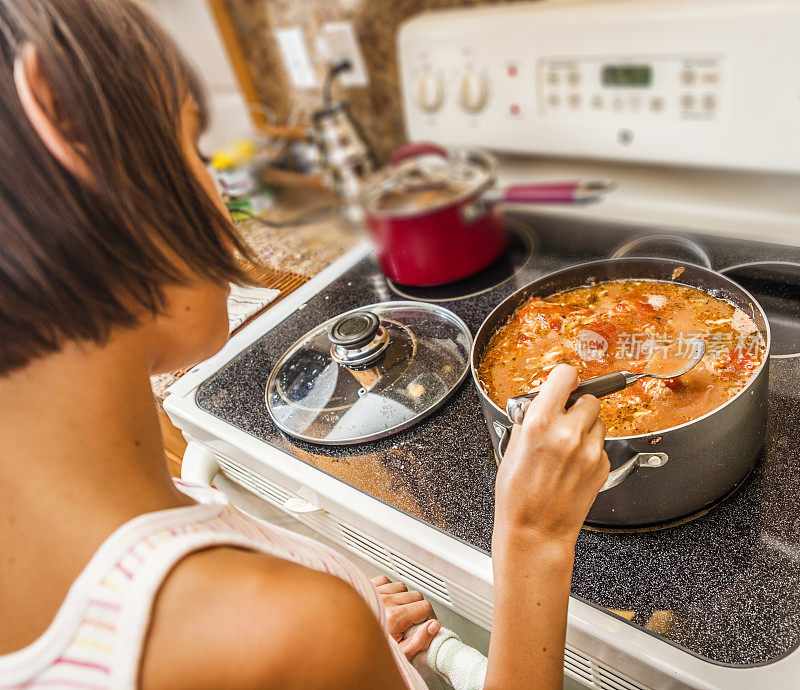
(667, 475)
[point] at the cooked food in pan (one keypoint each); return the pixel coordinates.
(620, 326)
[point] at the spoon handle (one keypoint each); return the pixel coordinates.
(598, 387)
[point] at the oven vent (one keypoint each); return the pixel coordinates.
(414, 573)
(608, 680)
(410, 572)
(595, 674)
(366, 547)
(579, 665)
(250, 480)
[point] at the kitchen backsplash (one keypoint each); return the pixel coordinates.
(377, 106)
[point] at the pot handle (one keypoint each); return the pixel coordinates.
(619, 475)
(615, 477)
(417, 148)
(552, 192)
(676, 240)
(503, 437)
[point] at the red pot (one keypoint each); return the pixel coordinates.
(435, 217)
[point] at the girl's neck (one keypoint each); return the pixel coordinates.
(80, 454)
(83, 423)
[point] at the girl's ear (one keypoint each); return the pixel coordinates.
(38, 101)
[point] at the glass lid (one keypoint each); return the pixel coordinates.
(427, 178)
(369, 373)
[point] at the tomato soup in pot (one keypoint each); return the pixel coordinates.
(620, 326)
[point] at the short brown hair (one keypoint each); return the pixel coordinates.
(74, 261)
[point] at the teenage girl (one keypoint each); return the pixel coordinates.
(115, 256)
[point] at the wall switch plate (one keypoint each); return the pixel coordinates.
(296, 58)
(336, 41)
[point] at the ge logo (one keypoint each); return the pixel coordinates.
(591, 346)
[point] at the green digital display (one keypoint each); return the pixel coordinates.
(627, 75)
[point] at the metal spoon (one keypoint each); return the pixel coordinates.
(660, 366)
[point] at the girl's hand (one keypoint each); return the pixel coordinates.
(404, 609)
(554, 466)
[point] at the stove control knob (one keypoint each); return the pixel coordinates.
(430, 92)
(473, 92)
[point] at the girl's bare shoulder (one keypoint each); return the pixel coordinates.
(227, 617)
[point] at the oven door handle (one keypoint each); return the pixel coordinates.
(615, 477)
(199, 465)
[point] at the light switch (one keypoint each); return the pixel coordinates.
(296, 59)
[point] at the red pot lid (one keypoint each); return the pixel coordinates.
(425, 177)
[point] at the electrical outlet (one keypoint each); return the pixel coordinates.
(336, 41)
(296, 58)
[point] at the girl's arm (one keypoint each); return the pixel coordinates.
(548, 480)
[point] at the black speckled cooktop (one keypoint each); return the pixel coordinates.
(725, 586)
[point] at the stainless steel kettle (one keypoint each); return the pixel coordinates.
(344, 153)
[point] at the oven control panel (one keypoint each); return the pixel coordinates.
(642, 88)
(707, 82)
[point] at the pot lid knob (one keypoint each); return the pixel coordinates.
(354, 331)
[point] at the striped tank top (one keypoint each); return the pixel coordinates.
(95, 642)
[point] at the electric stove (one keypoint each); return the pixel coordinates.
(720, 594)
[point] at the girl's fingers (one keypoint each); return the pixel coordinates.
(403, 617)
(597, 432)
(392, 588)
(403, 610)
(554, 393)
(603, 470)
(421, 639)
(401, 598)
(585, 411)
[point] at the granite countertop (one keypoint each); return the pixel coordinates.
(320, 235)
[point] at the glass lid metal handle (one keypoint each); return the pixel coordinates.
(354, 331)
(358, 339)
